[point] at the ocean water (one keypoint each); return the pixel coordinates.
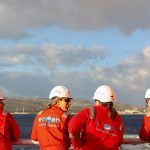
(132, 125)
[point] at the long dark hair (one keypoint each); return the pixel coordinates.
(112, 111)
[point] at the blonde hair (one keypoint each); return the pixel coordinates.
(53, 102)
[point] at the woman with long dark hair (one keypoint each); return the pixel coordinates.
(99, 127)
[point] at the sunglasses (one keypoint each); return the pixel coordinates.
(147, 100)
(67, 100)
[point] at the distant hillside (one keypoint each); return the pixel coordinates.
(34, 105)
(31, 105)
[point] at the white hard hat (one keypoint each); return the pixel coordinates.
(2, 96)
(147, 94)
(104, 93)
(60, 91)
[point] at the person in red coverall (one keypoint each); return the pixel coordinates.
(50, 127)
(9, 129)
(99, 127)
(144, 133)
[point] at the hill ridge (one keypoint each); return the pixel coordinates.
(34, 105)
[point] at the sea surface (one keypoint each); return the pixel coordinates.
(132, 125)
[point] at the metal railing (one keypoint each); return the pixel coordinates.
(25, 142)
(125, 141)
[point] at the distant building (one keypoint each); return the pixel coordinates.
(133, 111)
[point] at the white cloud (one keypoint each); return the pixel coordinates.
(147, 53)
(25, 84)
(130, 79)
(16, 17)
(52, 65)
(51, 56)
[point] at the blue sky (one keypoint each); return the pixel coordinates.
(81, 44)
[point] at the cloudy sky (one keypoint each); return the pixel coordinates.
(81, 44)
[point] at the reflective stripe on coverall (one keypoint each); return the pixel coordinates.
(99, 133)
(50, 128)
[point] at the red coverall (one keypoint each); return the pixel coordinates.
(144, 133)
(97, 133)
(9, 130)
(50, 128)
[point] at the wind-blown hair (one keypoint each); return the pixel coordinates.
(53, 102)
(112, 111)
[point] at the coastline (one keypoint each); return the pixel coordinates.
(120, 113)
(124, 113)
(23, 113)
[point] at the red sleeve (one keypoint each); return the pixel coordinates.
(120, 135)
(14, 128)
(144, 133)
(121, 132)
(75, 127)
(66, 140)
(33, 134)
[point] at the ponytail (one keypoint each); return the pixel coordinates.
(112, 111)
